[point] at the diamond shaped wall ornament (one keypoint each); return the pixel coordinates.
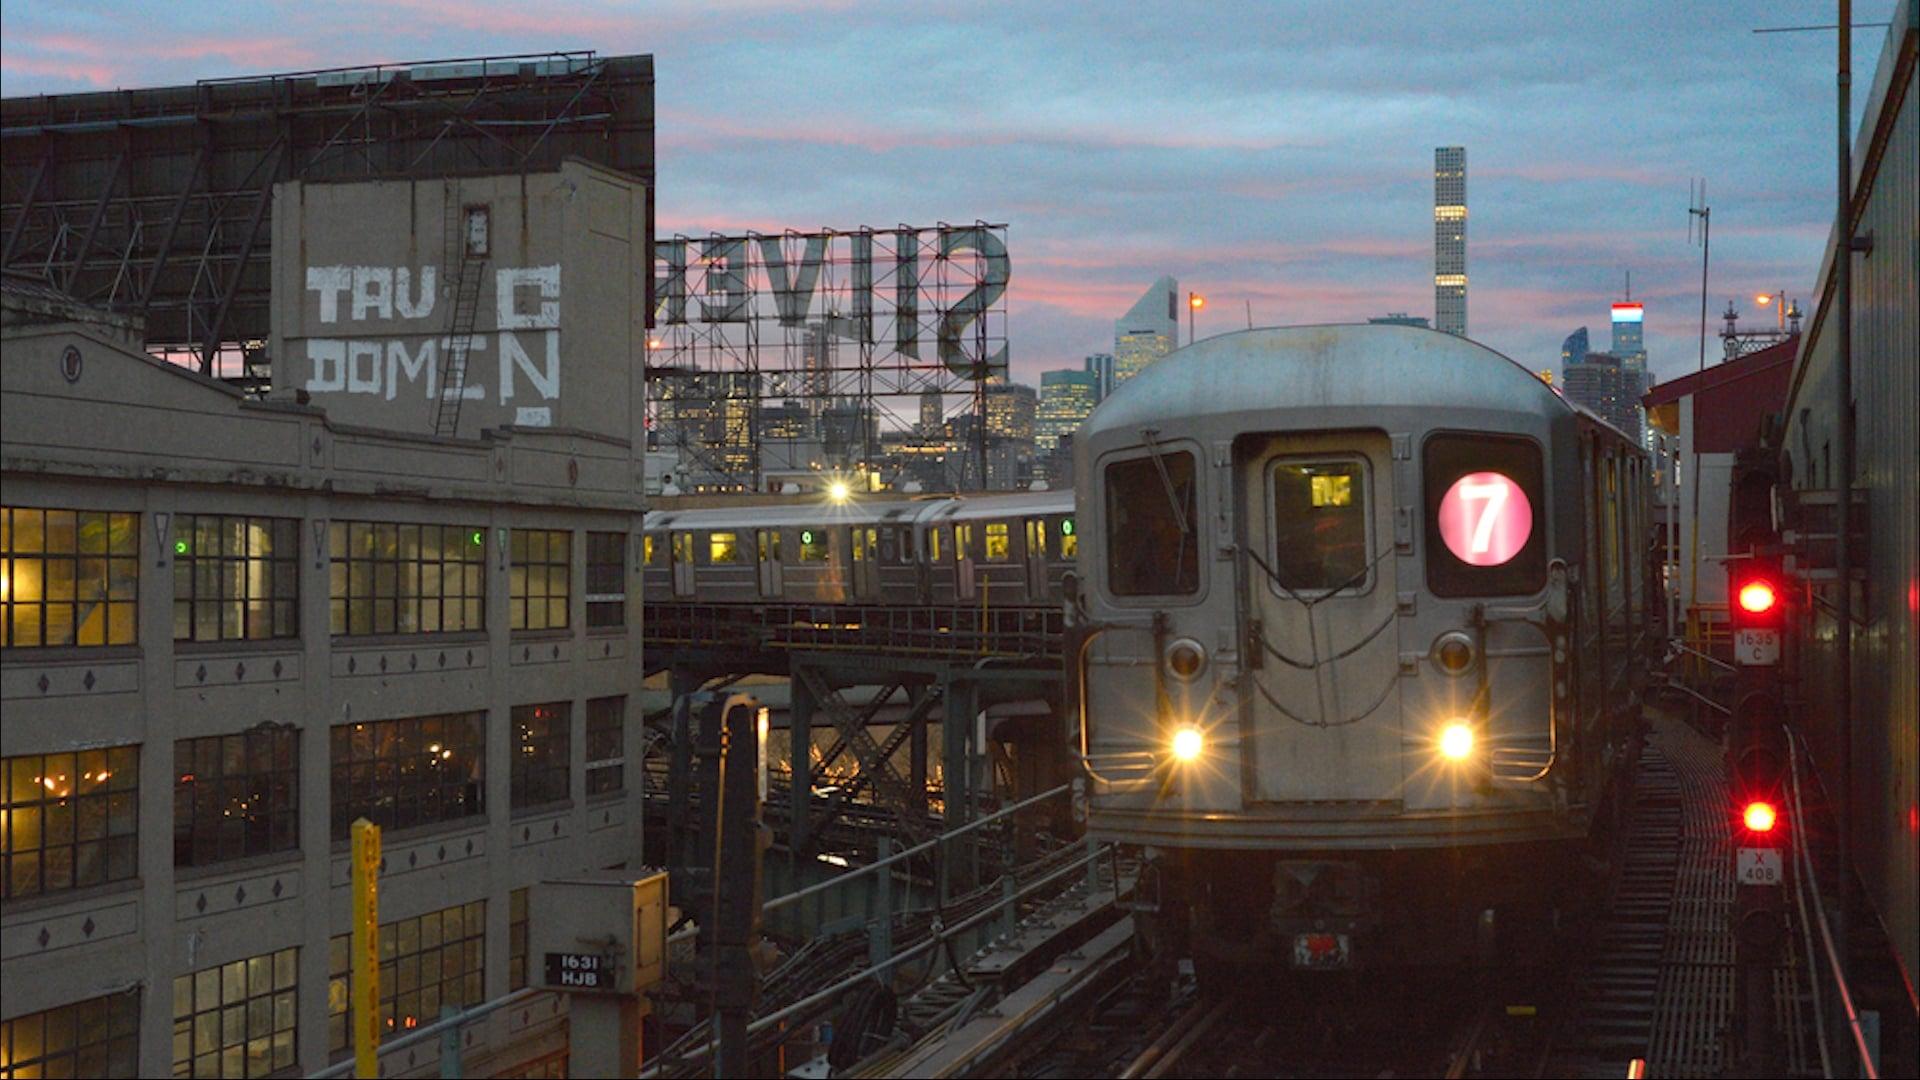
(88, 927)
(43, 684)
(44, 937)
(240, 671)
(556, 652)
(469, 845)
(443, 853)
(276, 669)
(469, 657)
(200, 673)
(278, 888)
(556, 826)
(413, 662)
(352, 662)
(443, 659)
(89, 680)
(200, 905)
(383, 664)
(526, 652)
(239, 895)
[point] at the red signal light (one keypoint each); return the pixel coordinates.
(1759, 816)
(1757, 597)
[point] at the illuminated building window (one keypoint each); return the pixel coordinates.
(1449, 213)
(402, 773)
(542, 747)
(606, 745)
(517, 939)
(815, 546)
(95, 1037)
(68, 821)
(723, 549)
(540, 578)
(999, 543)
(68, 577)
(236, 795)
(406, 579)
(236, 1019)
(425, 962)
(235, 578)
(1453, 280)
(607, 579)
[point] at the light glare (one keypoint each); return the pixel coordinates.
(1759, 816)
(1188, 743)
(1456, 742)
(1756, 597)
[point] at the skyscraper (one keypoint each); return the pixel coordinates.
(1598, 382)
(1100, 366)
(1629, 346)
(1450, 239)
(1067, 398)
(1575, 348)
(1148, 331)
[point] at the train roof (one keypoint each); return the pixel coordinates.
(1365, 365)
(886, 510)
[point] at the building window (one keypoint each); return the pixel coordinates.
(541, 753)
(402, 773)
(517, 939)
(406, 579)
(235, 578)
(607, 579)
(236, 795)
(236, 1019)
(542, 571)
(70, 820)
(425, 962)
(96, 1037)
(68, 577)
(606, 745)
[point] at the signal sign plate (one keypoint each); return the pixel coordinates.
(1758, 866)
(1756, 648)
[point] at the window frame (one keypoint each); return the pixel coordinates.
(469, 948)
(281, 994)
(354, 581)
(194, 569)
(117, 588)
(553, 735)
(276, 790)
(599, 762)
(531, 562)
(115, 1052)
(113, 805)
(1128, 456)
(1270, 473)
(606, 608)
(357, 783)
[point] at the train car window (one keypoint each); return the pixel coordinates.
(999, 542)
(815, 546)
(683, 547)
(1069, 540)
(1486, 515)
(933, 544)
(889, 544)
(963, 541)
(769, 545)
(647, 552)
(1320, 535)
(723, 549)
(906, 545)
(1152, 549)
(1036, 538)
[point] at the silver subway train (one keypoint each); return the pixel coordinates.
(1359, 637)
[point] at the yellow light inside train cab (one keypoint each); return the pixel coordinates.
(1456, 742)
(1188, 744)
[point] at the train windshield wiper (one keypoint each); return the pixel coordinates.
(1166, 479)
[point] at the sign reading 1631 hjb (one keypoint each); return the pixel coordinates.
(917, 294)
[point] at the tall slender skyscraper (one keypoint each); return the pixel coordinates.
(1148, 331)
(1629, 345)
(1574, 350)
(1450, 239)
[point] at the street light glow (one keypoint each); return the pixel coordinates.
(839, 491)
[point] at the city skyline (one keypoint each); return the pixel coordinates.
(1304, 192)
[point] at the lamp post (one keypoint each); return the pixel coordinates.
(1780, 309)
(1194, 303)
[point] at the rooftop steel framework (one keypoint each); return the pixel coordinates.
(155, 202)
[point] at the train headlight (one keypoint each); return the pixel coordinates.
(1186, 659)
(1188, 744)
(1453, 652)
(1456, 741)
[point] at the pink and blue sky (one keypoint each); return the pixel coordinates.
(1277, 155)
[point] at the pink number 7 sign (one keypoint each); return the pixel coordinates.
(1485, 519)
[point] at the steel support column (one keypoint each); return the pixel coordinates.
(800, 709)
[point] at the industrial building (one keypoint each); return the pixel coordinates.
(384, 573)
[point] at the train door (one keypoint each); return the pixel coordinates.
(963, 561)
(866, 562)
(1320, 580)
(1037, 558)
(683, 564)
(767, 547)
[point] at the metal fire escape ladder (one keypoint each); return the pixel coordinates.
(466, 310)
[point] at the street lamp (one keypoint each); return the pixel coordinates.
(1780, 309)
(1194, 303)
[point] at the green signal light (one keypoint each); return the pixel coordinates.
(179, 547)
(479, 538)
(1066, 527)
(806, 537)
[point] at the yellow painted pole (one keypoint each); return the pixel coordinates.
(366, 948)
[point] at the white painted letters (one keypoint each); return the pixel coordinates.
(372, 292)
(329, 282)
(329, 357)
(507, 282)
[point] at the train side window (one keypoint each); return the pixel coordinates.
(1036, 538)
(815, 545)
(1321, 539)
(1152, 542)
(1486, 515)
(769, 545)
(647, 552)
(889, 544)
(933, 543)
(723, 548)
(683, 547)
(906, 545)
(962, 541)
(999, 542)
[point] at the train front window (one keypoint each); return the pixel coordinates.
(1152, 541)
(1320, 540)
(1486, 515)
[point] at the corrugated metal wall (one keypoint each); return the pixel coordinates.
(1886, 386)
